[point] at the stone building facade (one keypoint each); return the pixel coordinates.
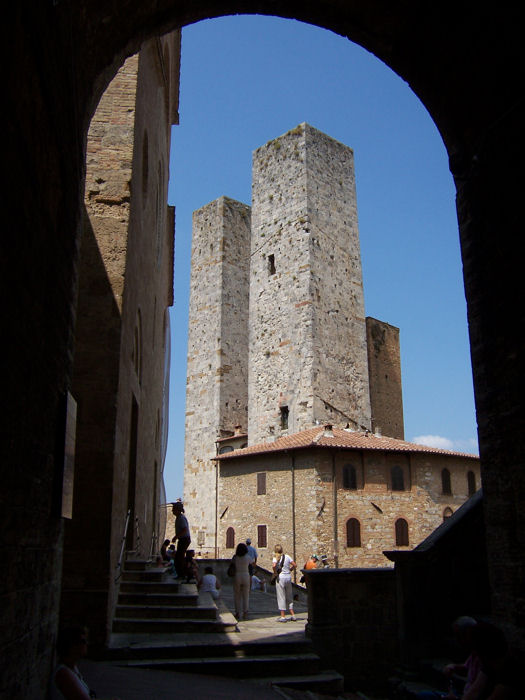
(277, 329)
(345, 494)
(121, 360)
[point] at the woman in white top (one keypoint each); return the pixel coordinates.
(241, 581)
(284, 565)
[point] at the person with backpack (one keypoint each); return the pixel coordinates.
(283, 565)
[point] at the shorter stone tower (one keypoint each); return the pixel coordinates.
(384, 372)
(217, 375)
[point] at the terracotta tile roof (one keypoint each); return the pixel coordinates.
(232, 437)
(321, 437)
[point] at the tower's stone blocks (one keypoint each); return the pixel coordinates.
(217, 375)
(384, 369)
(308, 357)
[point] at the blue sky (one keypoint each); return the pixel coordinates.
(246, 80)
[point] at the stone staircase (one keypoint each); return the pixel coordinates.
(164, 625)
(151, 602)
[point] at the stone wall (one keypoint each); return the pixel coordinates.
(307, 328)
(125, 287)
(306, 506)
(352, 621)
(217, 382)
(443, 578)
(384, 373)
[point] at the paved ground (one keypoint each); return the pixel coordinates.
(134, 684)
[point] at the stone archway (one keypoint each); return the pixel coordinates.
(465, 68)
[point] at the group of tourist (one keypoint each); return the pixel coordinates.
(490, 672)
(242, 569)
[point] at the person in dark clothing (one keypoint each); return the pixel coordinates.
(182, 535)
(500, 675)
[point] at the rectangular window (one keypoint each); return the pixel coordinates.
(271, 265)
(284, 417)
(261, 536)
(261, 483)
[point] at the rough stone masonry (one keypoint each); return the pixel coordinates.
(277, 330)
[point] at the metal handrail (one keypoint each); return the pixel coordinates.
(123, 544)
(153, 548)
(138, 548)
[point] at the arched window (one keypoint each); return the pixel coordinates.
(471, 483)
(401, 533)
(447, 513)
(230, 538)
(225, 449)
(349, 477)
(446, 486)
(398, 478)
(353, 533)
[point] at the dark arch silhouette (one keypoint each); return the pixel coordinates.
(465, 67)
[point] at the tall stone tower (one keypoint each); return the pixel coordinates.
(308, 353)
(217, 375)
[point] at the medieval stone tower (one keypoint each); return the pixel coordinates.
(217, 374)
(308, 357)
(277, 329)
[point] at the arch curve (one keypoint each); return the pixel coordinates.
(394, 36)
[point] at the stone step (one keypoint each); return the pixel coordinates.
(135, 565)
(188, 649)
(326, 682)
(156, 612)
(155, 587)
(263, 666)
(167, 599)
(152, 575)
(167, 626)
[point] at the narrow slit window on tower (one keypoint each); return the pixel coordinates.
(271, 264)
(284, 417)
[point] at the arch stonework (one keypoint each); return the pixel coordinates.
(467, 68)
